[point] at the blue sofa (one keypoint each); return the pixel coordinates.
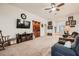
(60, 50)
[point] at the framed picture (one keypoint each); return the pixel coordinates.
(73, 23)
(41, 25)
(70, 18)
(67, 23)
(50, 23)
(50, 27)
(49, 34)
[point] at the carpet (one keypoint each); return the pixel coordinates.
(37, 47)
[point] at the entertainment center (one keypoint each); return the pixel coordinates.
(24, 37)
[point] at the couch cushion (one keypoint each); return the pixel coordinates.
(77, 50)
(61, 50)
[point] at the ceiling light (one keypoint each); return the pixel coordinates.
(53, 9)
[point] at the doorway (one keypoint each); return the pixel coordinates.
(36, 28)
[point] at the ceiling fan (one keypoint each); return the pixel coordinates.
(54, 7)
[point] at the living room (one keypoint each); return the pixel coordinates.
(31, 27)
(10, 14)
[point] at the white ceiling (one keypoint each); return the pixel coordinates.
(38, 9)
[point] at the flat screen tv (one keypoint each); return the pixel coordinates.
(23, 24)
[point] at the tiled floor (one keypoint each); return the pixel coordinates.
(38, 47)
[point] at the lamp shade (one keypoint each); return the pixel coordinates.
(67, 28)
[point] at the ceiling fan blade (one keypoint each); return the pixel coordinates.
(57, 9)
(47, 8)
(60, 5)
(50, 11)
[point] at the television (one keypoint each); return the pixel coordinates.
(23, 24)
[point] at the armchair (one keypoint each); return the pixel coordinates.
(74, 34)
(3, 40)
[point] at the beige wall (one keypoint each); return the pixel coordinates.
(64, 19)
(8, 16)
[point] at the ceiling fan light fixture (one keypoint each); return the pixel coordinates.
(53, 9)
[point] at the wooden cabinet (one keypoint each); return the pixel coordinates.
(24, 37)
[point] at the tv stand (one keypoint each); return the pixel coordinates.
(24, 37)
